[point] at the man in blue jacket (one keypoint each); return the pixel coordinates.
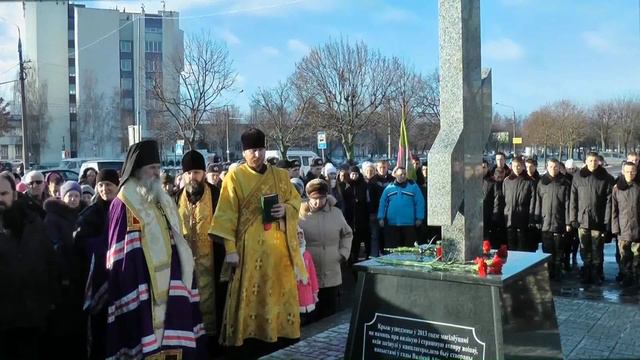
(401, 210)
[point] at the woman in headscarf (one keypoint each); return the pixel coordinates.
(356, 212)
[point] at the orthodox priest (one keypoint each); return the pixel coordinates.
(197, 202)
(153, 303)
(257, 217)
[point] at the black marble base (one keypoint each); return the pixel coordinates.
(404, 312)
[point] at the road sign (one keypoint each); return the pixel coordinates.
(179, 147)
(517, 140)
(322, 140)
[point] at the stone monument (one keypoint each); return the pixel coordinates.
(404, 310)
(455, 159)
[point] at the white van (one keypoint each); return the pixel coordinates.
(304, 156)
(98, 165)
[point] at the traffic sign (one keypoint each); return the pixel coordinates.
(179, 147)
(322, 140)
(517, 140)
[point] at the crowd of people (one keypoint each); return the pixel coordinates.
(137, 264)
(566, 209)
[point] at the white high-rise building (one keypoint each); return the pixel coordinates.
(94, 70)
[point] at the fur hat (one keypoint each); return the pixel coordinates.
(252, 139)
(193, 160)
(317, 186)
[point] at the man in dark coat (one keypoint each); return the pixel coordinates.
(501, 162)
(488, 192)
(552, 215)
(356, 211)
(498, 231)
(382, 177)
(533, 233)
(590, 212)
(28, 274)
(315, 172)
(519, 207)
(625, 222)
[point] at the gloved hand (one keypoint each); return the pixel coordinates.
(232, 259)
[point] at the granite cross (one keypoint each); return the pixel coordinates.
(455, 159)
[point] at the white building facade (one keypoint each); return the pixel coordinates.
(94, 69)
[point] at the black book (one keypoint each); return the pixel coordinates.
(268, 202)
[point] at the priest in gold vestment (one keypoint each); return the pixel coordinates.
(262, 251)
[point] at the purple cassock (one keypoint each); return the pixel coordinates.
(130, 332)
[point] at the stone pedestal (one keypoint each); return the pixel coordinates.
(406, 312)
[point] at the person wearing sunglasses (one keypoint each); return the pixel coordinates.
(36, 192)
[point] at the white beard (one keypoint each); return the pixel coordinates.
(150, 190)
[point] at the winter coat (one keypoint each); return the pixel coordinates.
(552, 204)
(507, 170)
(328, 238)
(488, 191)
(383, 181)
(591, 200)
(33, 205)
(625, 210)
(28, 270)
(91, 241)
(401, 204)
(497, 219)
(61, 223)
(375, 193)
(356, 204)
(519, 201)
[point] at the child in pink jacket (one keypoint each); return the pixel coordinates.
(307, 292)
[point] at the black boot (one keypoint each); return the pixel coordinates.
(586, 275)
(598, 276)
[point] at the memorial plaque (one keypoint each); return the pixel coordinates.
(392, 337)
(408, 312)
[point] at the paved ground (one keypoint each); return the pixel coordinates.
(596, 322)
(588, 330)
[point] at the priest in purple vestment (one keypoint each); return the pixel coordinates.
(153, 301)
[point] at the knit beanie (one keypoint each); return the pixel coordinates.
(109, 175)
(70, 186)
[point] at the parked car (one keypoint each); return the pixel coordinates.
(67, 175)
(102, 164)
(304, 156)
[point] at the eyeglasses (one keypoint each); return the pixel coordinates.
(36, 182)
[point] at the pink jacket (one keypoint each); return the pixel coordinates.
(308, 293)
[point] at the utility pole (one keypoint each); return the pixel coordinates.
(227, 129)
(388, 133)
(23, 100)
(514, 124)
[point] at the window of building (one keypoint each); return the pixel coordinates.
(126, 83)
(153, 29)
(18, 151)
(152, 65)
(72, 89)
(71, 35)
(73, 109)
(125, 46)
(153, 46)
(4, 152)
(125, 64)
(127, 103)
(72, 71)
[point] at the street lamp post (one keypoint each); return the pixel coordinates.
(514, 125)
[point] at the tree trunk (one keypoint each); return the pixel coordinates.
(602, 143)
(283, 149)
(560, 153)
(348, 149)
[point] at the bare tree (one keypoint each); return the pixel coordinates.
(348, 84)
(204, 75)
(603, 118)
(98, 120)
(4, 116)
(281, 112)
(36, 120)
(539, 128)
(570, 124)
(627, 119)
(214, 128)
